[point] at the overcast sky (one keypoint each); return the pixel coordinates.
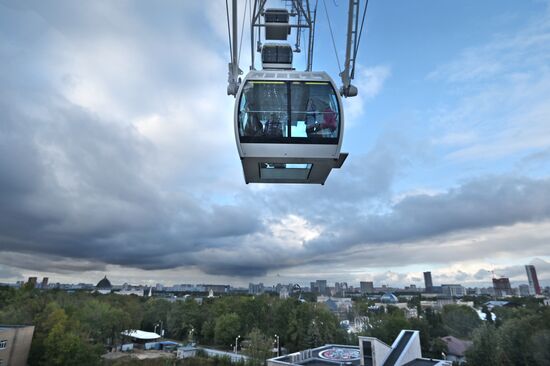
(118, 156)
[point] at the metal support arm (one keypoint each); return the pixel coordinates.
(347, 89)
(234, 70)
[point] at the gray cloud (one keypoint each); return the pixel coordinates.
(9, 273)
(481, 203)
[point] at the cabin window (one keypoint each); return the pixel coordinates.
(289, 112)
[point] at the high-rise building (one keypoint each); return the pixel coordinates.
(32, 281)
(313, 287)
(534, 286)
(44, 283)
(428, 284)
(367, 287)
(321, 286)
(337, 287)
(502, 286)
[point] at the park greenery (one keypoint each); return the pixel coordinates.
(77, 328)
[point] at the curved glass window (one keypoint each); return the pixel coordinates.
(289, 112)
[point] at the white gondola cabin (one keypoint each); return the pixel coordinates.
(289, 126)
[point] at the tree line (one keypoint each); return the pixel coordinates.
(76, 328)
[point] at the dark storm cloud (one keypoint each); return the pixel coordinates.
(482, 203)
(48, 263)
(241, 269)
(73, 185)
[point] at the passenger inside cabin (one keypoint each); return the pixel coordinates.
(328, 127)
(321, 119)
(253, 126)
(311, 118)
(274, 127)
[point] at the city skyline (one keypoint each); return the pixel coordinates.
(118, 157)
(325, 283)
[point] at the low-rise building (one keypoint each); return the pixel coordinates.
(256, 288)
(495, 304)
(130, 291)
(437, 304)
(410, 312)
(524, 290)
(186, 352)
(453, 290)
(338, 305)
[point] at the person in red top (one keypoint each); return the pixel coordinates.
(324, 126)
(329, 119)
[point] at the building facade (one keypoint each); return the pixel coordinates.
(321, 287)
(15, 344)
(367, 287)
(453, 290)
(256, 288)
(524, 290)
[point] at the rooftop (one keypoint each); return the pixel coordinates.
(405, 351)
(140, 334)
(422, 362)
(330, 354)
(456, 346)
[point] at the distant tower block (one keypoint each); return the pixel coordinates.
(428, 284)
(32, 281)
(534, 286)
(367, 287)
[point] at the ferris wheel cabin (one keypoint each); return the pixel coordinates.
(289, 126)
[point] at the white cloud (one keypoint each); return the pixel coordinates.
(502, 89)
(294, 230)
(369, 81)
